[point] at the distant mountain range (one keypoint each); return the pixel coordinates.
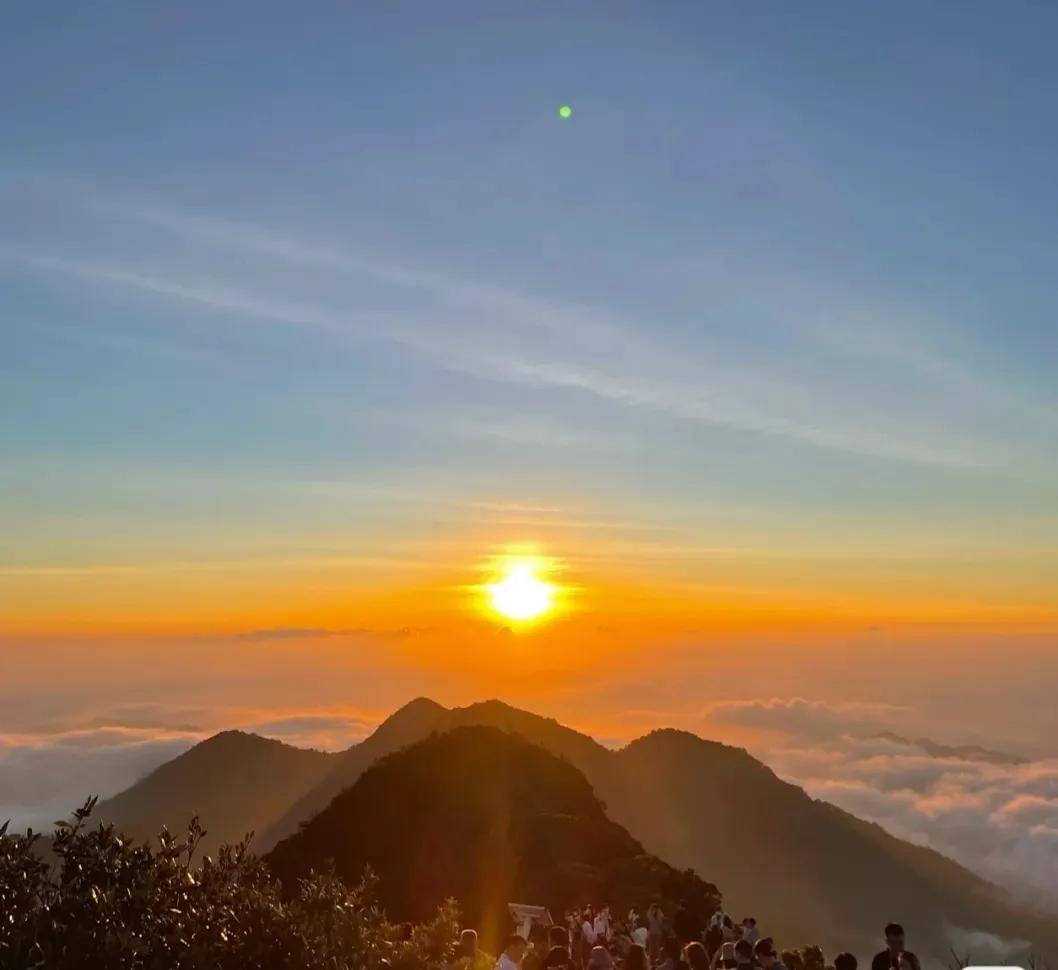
(807, 870)
(964, 752)
(487, 818)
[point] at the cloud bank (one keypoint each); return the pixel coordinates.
(46, 773)
(997, 817)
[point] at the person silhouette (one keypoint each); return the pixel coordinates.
(889, 958)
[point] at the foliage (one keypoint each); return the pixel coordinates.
(959, 961)
(111, 904)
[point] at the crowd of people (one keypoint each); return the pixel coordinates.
(594, 939)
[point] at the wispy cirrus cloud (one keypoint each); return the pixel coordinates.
(281, 633)
(496, 334)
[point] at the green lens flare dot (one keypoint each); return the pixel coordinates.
(565, 111)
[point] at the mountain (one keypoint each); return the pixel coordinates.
(808, 871)
(235, 782)
(417, 720)
(238, 782)
(411, 723)
(483, 816)
(965, 752)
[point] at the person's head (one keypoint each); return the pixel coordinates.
(468, 943)
(728, 956)
(696, 957)
(894, 937)
(765, 952)
(908, 961)
(558, 936)
(600, 959)
(671, 949)
(845, 961)
(636, 958)
(744, 951)
(515, 947)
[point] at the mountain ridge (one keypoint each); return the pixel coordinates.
(830, 877)
(485, 816)
(966, 752)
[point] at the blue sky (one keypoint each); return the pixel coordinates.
(784, 278)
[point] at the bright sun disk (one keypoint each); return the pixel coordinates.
(521, 594)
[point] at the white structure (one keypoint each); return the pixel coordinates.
(525, 916)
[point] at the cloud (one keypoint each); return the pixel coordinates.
(45, 776)
(220, 565)
(985, 946)
(296, 633)
(999, 817)
(48, 771)
(494, 333)
(804, 717)
(325, 732)
(282, 633)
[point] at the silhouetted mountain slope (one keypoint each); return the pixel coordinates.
(808, 871)
(234, 782)
(417, 720)
(484, 816)
(411, 723)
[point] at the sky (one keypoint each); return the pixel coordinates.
(312, 313)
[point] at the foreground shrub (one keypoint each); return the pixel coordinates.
(109, 904)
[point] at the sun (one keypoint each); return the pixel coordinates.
(521, 594)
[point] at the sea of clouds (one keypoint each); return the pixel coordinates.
(993, 812)
(997, 815)
(47, 771)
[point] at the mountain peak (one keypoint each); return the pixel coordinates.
(677, 739)
(486, 816)
(492, 704)
(236, 735)
(416, 707)
(233, 742)
(408, 723)
(224, 742)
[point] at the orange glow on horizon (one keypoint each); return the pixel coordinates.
(527, 587)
